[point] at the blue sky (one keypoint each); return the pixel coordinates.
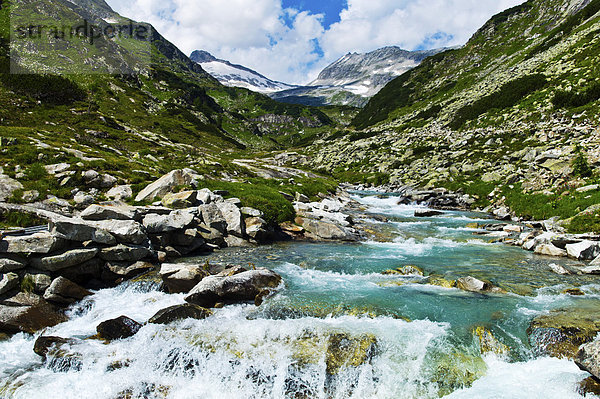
(293, 40)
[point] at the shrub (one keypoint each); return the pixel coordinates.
(580, 165)
(567, 99)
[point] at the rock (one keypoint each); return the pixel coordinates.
(585, 250)
(181, 277)
(595, 262)
(96, 180)
(408, 270)
(180, 312)
(28, 313)
(345, 351)
(67, 259)
(10, 263)
(82, 198)
(119, 328)
(558, 269)
(8, 282)
(441, 282)
(106, 212)
(205, 196)
(176, 220)
(588, 358)
(251, 212)
(594, 270)
(39, 282)
(488, 343)
(502, 213)
(75, 229)
(257, 229)
(38, 243)
(57, 168)
(326, 230)
(47, 345)
(301, 198)
(585, 189)
(472, 284)
(573, 292)
(184, 199)
(65, 292)
(127, 270)
(125, 253)
(589, 385)
(235, 201)
(233, 218)
(561, 332)
(120, 193)
(549, 250)
(240, 287)
(125, 231)
(165, 185)
(512, 228)
(424, 213)
(213, 217)
(84, 273)
(7, 187)
(30, 196)
(236, 242)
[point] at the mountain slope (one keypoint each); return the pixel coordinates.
(236, 75)
(353, 78)
(512, 117)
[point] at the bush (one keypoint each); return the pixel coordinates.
(580, 165)
(52, 89)
(567, 99)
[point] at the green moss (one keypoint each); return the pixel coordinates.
(19, 219)
(27, 284)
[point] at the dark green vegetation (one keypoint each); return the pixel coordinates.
(19, 219)
(568, 99)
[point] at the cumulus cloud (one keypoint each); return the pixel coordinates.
(293, 46)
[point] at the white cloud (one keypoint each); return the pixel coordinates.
(280, 43)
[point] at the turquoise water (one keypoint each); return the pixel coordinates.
(422, 334)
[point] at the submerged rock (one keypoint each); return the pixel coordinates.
(407, 270)
(44, 345)
(489, 343)
(180, 312)
(119, 328)
(344, 350)
(472, 284)
(240, 287)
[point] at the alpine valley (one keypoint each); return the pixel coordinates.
(409, 225)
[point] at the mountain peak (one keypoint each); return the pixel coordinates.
(202, 56)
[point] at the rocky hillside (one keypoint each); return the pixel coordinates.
(233, 75)
(354, 78)
(512, 117)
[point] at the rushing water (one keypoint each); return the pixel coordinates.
(412, 339)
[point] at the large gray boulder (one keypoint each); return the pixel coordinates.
(472, 284)
(181, 200)
(125, 231)
(125, 253)
(595, 262)
(8, 282)
(588, 358)
(327, 230)
(10, 263)
(176, 220)
(65, 292)
(120, 193)
(67, 259)
(233, 218)
(7, 187)
(28, 313)
(76, 229)
(213, 217)
(181, 277)
(241, 287)
(166, 184)
(109, 212)
(585, 250)
(549, 250)
(38, 243)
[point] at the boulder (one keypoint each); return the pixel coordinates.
(120, 193)
(28, 313)
(165, 185)
(588, 358)
(561, 332)
(549, 250)
(181, 277)
(205, 196)
(7, 187)
(251, 212)
(180, 312)
(67, 259)
(125, 231)
(424, 213)
(125, 253)
(594, 270)
(407, 270)
(39, 281)
(184, 199)
(119, 328)
(595, 262)
(100, 181)
(233, 218)
(8, 282)
(10, 263)
(236, 242)
(82, 199)
(76, 229)
(57, 168)
(128, 270)
(176, 220)
(49, 344)
(240, 287)
(585, 250)
(472, 284)
(558, 269)
(257, 229)
(213, 217)
(344, 350)
(109, 212)
(85, 272)
(326, 230)
(38, 243)
(65, 292)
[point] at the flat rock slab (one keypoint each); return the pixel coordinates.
(65, 292)
(65, 260)
(38, 243)
(107, 212)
